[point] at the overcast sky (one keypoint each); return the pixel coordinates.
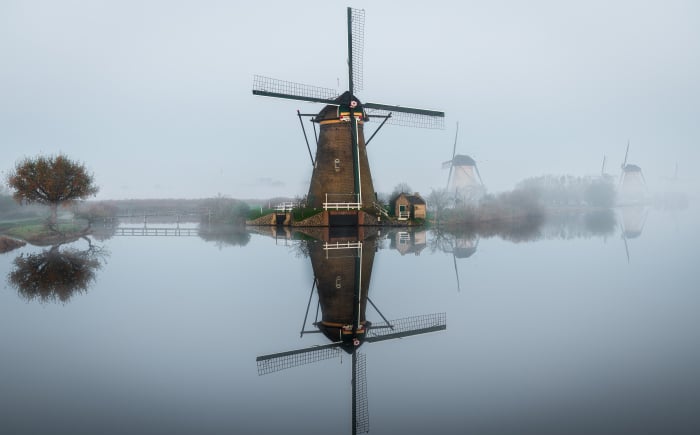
(155, 96)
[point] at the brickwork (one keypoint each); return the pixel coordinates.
(334, 169)
(337, 276)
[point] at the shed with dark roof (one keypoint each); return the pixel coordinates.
(410, 207)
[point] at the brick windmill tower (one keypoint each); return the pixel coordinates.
(341, 178)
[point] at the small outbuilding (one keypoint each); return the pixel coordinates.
(409, 207)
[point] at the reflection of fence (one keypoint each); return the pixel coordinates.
(342, 245)
(162, 231)
(343, 249)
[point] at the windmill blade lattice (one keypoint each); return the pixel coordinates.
(357, 38)
(407, 119)
(280, 361)
(407, 326)
(269, 87)
(360, 423)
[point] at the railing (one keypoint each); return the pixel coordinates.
(404, 215)
(380, 208)
(343, 249)
(132, 231)
(342, 205)
(285, 207)
(353, 203)
(342, 245)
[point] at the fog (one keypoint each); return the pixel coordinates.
(156, 98)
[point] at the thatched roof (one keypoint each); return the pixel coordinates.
(463, 160)
(632, 168)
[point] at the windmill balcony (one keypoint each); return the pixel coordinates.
(342, 201)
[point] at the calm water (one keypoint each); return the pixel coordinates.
(584, 326)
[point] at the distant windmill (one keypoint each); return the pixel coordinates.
(602, 168)
(341, 279)
(633, 186)
(604, 175)
(464, 182)
(341, 177)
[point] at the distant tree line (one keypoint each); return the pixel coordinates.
(569, 190)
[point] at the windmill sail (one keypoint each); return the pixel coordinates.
(452, 160)
(269, 87)
(360, 406)
(407, 116)
(283, 360)
(356, 44)
(406, 327)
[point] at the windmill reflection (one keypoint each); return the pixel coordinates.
(460, 246)
(633, 219)
(55, 274)
(342, 266)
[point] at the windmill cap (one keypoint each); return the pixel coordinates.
(331, 111)
(632, 168)
(463, 160)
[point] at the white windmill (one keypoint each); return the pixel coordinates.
(464, 182)
(633, 186)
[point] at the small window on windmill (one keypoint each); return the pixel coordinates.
(337, 165)
(337, 282)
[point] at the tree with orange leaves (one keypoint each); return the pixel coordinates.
(52, 181)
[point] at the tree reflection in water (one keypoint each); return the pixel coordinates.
(224, 235)
(56, 274)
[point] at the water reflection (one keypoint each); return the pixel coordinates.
(460, 246)
(224, 235)
(462, 242)
(580, 225)
(632, 223)
(408, 242)
(342, 266)
(57, 273)
(221, 234)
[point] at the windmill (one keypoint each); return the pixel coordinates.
(463, 180)
(341, 177)
(342, 271)
(633, 187)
